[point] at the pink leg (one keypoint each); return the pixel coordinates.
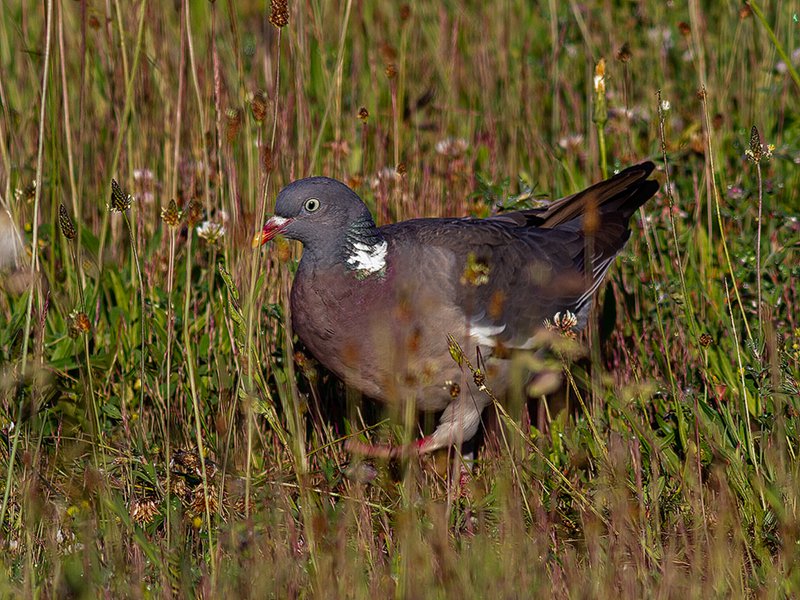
(458, 424)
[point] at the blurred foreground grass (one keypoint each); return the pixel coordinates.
(153, 331)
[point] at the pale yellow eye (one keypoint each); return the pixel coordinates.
(311, 204)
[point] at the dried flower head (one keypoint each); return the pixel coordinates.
(186, 463)
(197, 505)
(363, 113)
(479, 378)
(279, 13)
(143, 510)
(194, 212)
(233, 120)
(180, 489)
(391, 71)
(78, 323)
(266, 158)
(758, 151)
(30, 190)
(706, 340)
(210, 231)
(454, 389)
(259, 105)
(67, 228)
(171, 215)
(120, 201)
(624, 54)
(563, 323)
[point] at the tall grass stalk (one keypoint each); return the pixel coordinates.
(34, 287)
(254, 273)
(721, 226)
(168, 379)
(123, 128)
(787, 60)
(198, 424)
(76, 205)
(332, 86)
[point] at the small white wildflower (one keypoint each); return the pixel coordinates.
(451, 147)
(665, 105)
(210, 231)
(572, 143)
(387, 175)
(142, 175)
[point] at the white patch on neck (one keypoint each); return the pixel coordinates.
(277, 221)
(371, 259)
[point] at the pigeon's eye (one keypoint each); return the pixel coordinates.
(312, 204)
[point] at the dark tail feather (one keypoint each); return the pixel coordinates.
(616, 199)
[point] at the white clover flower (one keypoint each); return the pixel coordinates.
(451, 147)
(210, 231)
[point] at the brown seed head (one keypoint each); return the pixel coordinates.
(120, 201)
(745, 11)
(624, 54)
(391, 71)
(279, 13)
(171, 215)
(684, 28)
(363, 114)
(67, 228)
(78, 324)
(405, 12)
(143, 510)
(194, 213)
(455, 390)
(706, 340)
(198, 503)
(266, 158)
(479, 378)
(756, 149)
(233, 120)
(259, 105)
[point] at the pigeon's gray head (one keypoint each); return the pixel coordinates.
(315, 210)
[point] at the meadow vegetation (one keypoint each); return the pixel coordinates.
(162, 432)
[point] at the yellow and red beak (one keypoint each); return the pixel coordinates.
(271, 228)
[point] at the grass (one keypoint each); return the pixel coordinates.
(161, 433)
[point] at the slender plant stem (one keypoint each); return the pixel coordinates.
(142, 308)
(123, 130)
(168, 399)
(254, 278)
(34, 287)
(758, 250)
(198, 427)
(728, 260)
